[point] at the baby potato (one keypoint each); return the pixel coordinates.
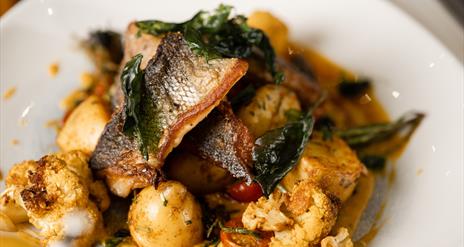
(267, 109)
(84, 126)
(274, 28)
(166, 216)
(198, 175)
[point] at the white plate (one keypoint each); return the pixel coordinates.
(370, 37)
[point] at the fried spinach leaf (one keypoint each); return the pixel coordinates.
(115, 240)
(239, 230)
(216, 34)
(132, 79)
(364, 135)
(141, 118)
(353, 88)
(374, 162)
(243, 97)
(278, 151)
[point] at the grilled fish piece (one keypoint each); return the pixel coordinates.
(135, 42)
(307, 90)
(223, 140)
(180, 90)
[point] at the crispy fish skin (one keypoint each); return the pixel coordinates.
(181, 88)
(184, 88)
(223, 140)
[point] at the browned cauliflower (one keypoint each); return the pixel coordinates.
(55, 193)
(265, 214)
(331, 164)
(301, 218)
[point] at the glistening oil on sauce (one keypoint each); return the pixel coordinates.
(351, 112)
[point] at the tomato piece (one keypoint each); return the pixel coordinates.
(238, 240)
(245, 193)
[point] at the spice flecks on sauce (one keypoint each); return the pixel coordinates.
(53, 69)
(9, 93)
(14, 142)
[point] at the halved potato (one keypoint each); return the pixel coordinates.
(166, 216)
(84, 126)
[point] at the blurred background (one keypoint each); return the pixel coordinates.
(444, 18)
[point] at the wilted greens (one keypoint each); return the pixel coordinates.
(216, 34)
(278, 151)
(353, 88)
(368, 134)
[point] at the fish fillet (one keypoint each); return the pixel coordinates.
(180, 90)
(223, 140)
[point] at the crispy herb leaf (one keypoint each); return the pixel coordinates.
(374, 162)
(141, 118)
(239, 230)
(293, 115)
(365, 135)
(243, 97)
(132, 79)
(214, 35)
(277, 152)
(353, 88)
(115, 240)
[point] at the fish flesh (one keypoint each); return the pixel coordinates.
(135, 42)
(180, 89)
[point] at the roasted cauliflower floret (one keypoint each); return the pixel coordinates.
(267, 110)
(55, 192)
(265, 214)
(331, 164)
(76, 161)
(304, 217)
(342, 239)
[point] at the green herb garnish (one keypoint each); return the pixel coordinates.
(112, 242)
(239, 230)
(116, 239)
(374, 162)
(243, 97)
(141, 119)
(163, 198)
(132, 79)
(368, 134)
(278, 151)
(216, 34)
(293, 115)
